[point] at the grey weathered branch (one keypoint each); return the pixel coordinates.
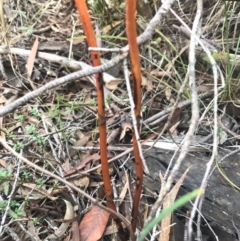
(63, 80)
(145, 36)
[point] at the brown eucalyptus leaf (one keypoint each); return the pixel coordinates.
(30, 62)
(75, 231)
(93, 224)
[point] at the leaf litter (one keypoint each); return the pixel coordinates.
(45, 129)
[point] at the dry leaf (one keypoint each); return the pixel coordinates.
(30, 62)
(111, 229)
(82, 182)
(35, 192)
(112, 137)
(176, 116)
(51, 72)
(2, 99)
(9, 12)
(160, 74)
(81, 142)
(96, 184)
(7, 95)
(124, 190)
(77, 41)
(168, 93)
(3, 163)
(3, 135)
(223, 137)
(31, 58)
(31, 227)
(148, 83)
(114, 118)
(59, 233)
(166, 222)
(14, 127)
(83, 138)
(94, 157)
(98, 33)
(125, 127)
(55, 29)
(111, 26)
(93, 224)
(205, 88)
(75, 231)
(172, 100)
(111, 82)
(173, 129)
(144, 81)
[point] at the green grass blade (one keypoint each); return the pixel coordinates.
(180, 202)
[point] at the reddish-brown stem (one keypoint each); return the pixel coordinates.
(95, 57)
(137, 79)
(91, 40)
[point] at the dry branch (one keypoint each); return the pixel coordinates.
(145, 36)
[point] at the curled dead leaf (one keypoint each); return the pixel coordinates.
(59, 233)
(111, 82)
(125, 127)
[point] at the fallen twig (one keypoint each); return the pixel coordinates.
(60, 179)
